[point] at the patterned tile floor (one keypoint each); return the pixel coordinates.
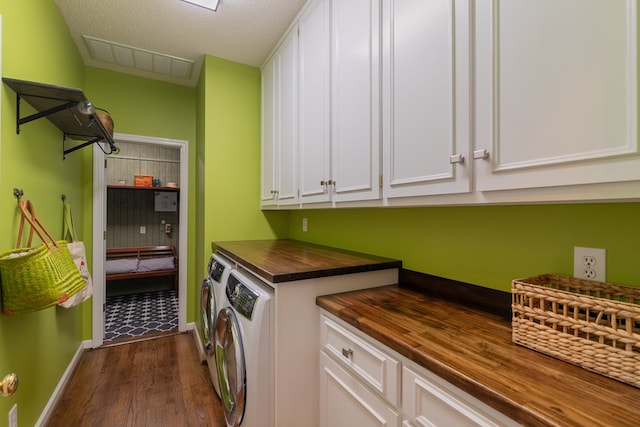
(135, 315)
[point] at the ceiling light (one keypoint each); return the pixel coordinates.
(207, 4)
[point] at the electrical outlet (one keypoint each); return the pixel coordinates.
(304, 224)
(590, 263)
(13, 416)
(143, 230)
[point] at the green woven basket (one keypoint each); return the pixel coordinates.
(37, 279)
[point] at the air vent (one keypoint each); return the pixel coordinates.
(128, 56)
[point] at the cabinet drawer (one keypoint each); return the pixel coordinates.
(430, 401)
(374, 367)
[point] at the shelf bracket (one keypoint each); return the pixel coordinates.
(77, 147)
(40, 114)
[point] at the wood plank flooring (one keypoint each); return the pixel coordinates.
(154, 382)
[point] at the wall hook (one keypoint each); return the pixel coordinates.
(64, 198)
(18, 193)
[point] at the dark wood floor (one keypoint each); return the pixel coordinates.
(157, 382)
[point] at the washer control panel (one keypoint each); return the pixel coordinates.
(241, 297)
(216, 269)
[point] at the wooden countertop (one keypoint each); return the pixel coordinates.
(472, 349)
(288, 260)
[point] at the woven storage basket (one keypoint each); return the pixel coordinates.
(38, 279)
(34, 278)
(591, 324)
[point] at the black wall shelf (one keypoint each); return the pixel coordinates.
(59, 104)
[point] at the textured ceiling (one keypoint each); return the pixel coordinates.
(243, 31)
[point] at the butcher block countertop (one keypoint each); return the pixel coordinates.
(288, 260)
(472, 349)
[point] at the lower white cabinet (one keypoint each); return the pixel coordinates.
(346, 402)
(364, 383)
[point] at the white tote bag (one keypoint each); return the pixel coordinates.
(79, 256)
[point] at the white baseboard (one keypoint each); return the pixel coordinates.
(198, 339)
(53, 400)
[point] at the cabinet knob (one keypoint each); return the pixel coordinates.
(481, 154)
(347, 353)
(456, 158)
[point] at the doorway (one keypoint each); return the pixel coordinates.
(102, 177)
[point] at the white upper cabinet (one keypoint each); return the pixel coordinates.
(287, 59)
(280, 125)
(456, 102)
(427, 95)
(355, 100)
(314, 114)
(267, 194)
(556, 94)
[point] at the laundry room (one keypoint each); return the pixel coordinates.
(276, 127)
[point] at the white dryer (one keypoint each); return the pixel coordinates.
(244, 346)
(211, 294)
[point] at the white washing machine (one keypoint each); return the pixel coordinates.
(244, 346)
(211, 294)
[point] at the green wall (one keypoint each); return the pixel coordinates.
(37, 346)
(148, 107)
(230, 163)
(485, 245)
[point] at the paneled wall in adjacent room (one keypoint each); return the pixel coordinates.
(134, 218)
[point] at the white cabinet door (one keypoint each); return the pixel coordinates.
(427, 96)
(345, 402)
(287, 120)
(314, 113)
(269, 155)
(556, 97)
(355, 99)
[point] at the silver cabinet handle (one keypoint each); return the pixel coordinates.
(456, 158)
(347, 353)
(481, 154)
(326, 184)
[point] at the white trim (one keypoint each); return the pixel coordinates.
(196, 336)
(55, 396)
(99, 227)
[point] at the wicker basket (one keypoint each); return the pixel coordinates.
(591, 324)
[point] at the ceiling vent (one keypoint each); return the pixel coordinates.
(127, 56)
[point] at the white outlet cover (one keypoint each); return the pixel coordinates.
(590, 263)
(13, 416)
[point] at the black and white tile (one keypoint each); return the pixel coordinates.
(129, 316)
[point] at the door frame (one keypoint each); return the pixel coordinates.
(100, 227)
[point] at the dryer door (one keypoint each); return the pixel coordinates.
(207, 314)
(231, 366)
